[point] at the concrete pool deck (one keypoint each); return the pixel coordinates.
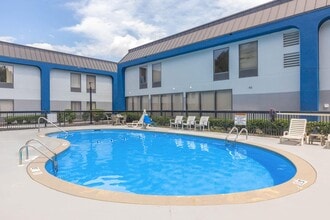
(21, 197)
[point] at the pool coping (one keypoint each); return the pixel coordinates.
(304, 178)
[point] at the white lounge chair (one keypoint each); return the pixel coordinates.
(176, 122)
(136, 123)
(189, 122)
(297, 131)
(202, 123)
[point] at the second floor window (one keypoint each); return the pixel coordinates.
(75, 82)
(156, 75)
(6, 76)
(248, 59)
(143, 78)
(221, 64)
(91, 83)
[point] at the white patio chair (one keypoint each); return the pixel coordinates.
(202, 123)
(177, 121)
(297, 131)
(189, 122)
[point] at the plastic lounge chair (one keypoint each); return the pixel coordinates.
(297, 131)
(190, 122)
(177, 121)
(136, 123)
(202, 123)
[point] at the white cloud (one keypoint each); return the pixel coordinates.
(111, 27)
(8, 39)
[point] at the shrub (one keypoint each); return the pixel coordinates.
(68, 115)
(23, 119)
(132, 116)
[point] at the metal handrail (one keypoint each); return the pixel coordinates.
(38, 141)
(26, 146)
(246, 133)
(231, 131)
(50, 123)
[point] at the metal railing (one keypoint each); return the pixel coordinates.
(28, 145)
(259, 122)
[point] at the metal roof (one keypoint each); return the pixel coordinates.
(48, 56)
(259, 15)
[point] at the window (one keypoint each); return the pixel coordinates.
(248, 59)
(91, 83)
(76, 106)
(6, 105)
(75, 82)
(177, 101)
(136, 103)
(221, 64)
(193, 101)
(156, 75)
(224, 100)
(207, 101)
(155, 102)
(143, 77)
(6, 76)
(93, 105)
(129, 103)
(145, 102)
(166, 102)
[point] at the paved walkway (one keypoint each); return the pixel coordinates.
(22, 198)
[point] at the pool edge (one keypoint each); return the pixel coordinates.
(304, 178)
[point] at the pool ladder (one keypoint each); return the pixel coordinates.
(235, 129)
(28, 145)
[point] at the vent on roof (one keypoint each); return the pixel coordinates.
(291, 59)
(290, 39)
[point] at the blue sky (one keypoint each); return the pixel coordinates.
(106, 29)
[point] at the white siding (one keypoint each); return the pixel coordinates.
(194, 71)
(60, 91)
(26, 88)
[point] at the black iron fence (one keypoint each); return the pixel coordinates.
(257, 122)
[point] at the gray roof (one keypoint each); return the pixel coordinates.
(262, 14)
(36, 54)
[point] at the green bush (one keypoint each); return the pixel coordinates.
(24, 119)
(221, 124)
(161, 120)
(132, 116)
(68, 115)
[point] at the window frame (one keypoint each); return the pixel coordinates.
(156, 69)
(7, 84)
(221, 75)
(75, 89)
(143, 80)
(93, 83)
(248, 71)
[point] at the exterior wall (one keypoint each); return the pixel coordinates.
(26, 91)
(274, 87)
(61, 95)
(324, 56)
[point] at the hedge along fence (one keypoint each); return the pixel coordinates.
(22, 119)
(254, 126)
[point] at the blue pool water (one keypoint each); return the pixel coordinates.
(154, 163)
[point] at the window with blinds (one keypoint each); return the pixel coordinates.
(75, 82)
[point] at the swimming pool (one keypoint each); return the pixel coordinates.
(156, 163)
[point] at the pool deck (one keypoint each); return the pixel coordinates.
(23, 198)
